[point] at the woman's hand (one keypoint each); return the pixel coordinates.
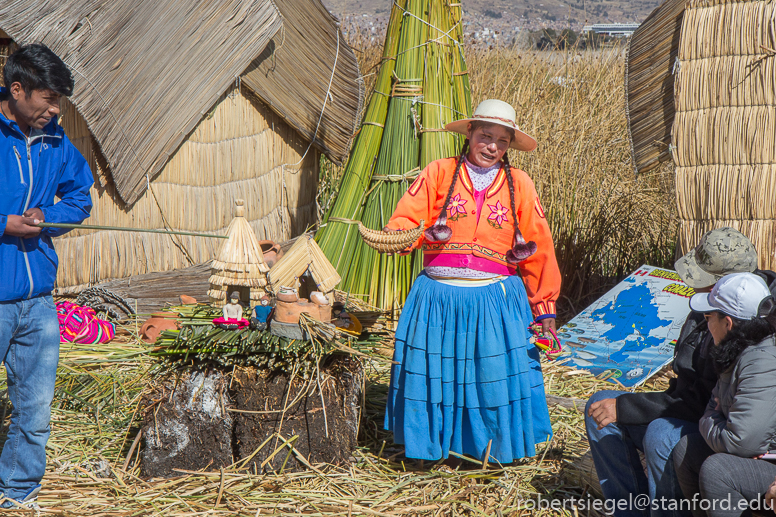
(547, 324)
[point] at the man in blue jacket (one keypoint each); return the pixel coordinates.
(37, 163)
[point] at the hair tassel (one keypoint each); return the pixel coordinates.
(521, 249)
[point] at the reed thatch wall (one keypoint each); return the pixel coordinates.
(238, 150)
(724, 131)
(649, 85)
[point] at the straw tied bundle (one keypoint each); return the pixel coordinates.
(421, 86)
(724, 132)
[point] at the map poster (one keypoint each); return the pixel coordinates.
(629, 333)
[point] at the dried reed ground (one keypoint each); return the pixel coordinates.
(95, 418)
(605, 221)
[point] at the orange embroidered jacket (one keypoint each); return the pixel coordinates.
(482, 241)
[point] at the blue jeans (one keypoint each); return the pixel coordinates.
(29, 346)
(615, 454)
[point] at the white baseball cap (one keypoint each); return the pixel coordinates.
(738, 295)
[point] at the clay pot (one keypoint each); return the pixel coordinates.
(157, 324)
(271, 251)
(187, 300)
(288, 294)
(319, 298)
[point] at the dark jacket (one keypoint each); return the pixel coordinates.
(745, 421)
(689, 393)
(34, 171)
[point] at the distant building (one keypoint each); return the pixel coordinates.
(612, 29)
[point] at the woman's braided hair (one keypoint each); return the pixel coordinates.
(456, 174)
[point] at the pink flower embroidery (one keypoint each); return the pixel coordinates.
(498, 213)
(456, 205)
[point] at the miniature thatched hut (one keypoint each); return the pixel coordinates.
(182, 107)
(717, 101)
(304, 257)
(239, 265)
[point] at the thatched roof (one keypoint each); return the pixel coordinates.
(293, 73)
(147, 71)
(649, 84)
(304, 256)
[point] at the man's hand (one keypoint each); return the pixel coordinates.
(36, 214)
(24, 227)
(548, 323)
(770, 497)
(604, 412)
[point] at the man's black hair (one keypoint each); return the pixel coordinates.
(36, 67)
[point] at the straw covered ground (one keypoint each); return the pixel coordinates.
(93, 458)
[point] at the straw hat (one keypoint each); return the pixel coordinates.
(494, 111)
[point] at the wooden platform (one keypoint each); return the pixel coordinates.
(154, 291)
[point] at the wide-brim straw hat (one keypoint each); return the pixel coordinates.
(494, 111)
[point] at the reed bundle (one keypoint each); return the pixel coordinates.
(239, 150)
(429, 89)
(725, 124)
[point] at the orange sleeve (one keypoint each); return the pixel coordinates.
(421, 202)
(540, 271)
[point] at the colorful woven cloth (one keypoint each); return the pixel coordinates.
(241, 324)
(81, 325)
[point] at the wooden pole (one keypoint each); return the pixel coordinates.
(124, 229)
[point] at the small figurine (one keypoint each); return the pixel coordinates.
(233, 310)
(232, 318)
(260, 314)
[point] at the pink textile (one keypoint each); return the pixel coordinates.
(80, 325)
(241, 324)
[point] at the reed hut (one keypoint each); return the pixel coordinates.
(722, 114)
(181, 108)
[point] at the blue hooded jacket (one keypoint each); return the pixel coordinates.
(34, 170)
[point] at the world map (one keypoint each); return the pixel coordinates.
(629, 334)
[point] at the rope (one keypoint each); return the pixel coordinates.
(398, 177)
(343, 220)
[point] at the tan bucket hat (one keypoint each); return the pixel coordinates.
(494, 111)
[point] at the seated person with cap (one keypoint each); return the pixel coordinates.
(620, 424)
(724, 461)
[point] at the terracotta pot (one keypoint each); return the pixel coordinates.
(187, 300)
(288, 294)
(272, 252)
(154, 326)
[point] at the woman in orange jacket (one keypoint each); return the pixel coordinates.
(465, 374)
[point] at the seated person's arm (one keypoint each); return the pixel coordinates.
(749, 426)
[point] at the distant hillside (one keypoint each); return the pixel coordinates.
(521, 14)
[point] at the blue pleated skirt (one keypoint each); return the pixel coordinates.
(465, 373)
